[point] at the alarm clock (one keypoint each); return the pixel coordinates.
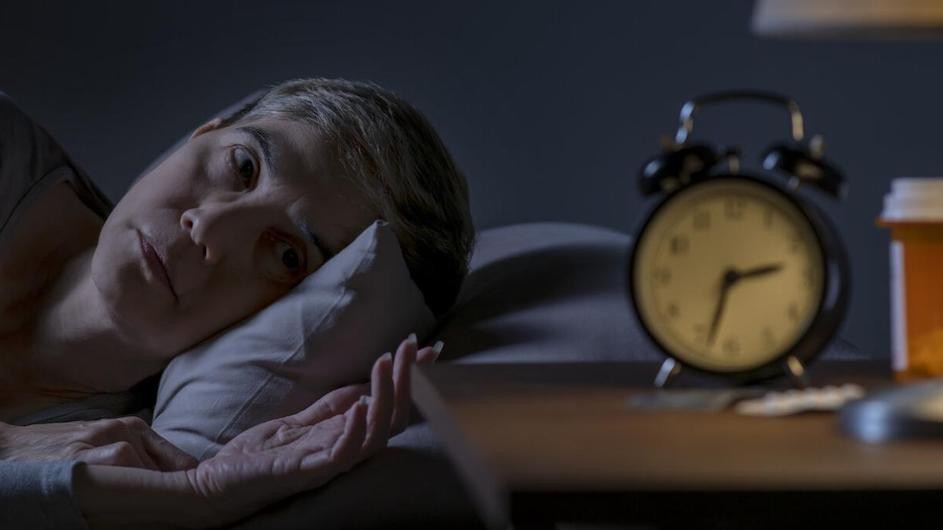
(737, 273)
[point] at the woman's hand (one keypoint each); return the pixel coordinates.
(339, 400)
(285, 456)
(263, 464)
(125, 441)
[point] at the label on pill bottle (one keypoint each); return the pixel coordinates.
(898, 308)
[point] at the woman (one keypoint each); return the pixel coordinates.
(233, 219)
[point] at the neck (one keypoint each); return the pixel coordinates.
(77, 346)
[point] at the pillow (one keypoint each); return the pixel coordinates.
(325, 333)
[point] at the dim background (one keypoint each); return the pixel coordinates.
(548, 107)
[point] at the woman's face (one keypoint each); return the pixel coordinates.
(227, 224)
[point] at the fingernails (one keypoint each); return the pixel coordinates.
(437, 347)
(412, 338)
(364, 400)
(388, 356)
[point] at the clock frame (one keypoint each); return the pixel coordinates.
(824, 322)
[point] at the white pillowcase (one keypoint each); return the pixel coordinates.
(325, 333)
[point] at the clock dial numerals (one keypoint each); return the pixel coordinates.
(793, 312)
(662, 276)
(795, 243)
(731, 347)
(808, 278)
(673, 310)
(769, 339)
(734, 207)
(702, 220)
(728, 274)
(679, 245)
(700, 334)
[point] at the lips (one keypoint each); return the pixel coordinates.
(156, 263)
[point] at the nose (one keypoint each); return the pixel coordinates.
(217, 228)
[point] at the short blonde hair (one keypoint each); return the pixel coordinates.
(399, 164)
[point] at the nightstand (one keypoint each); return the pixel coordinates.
(538, 444)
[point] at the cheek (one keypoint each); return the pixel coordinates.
(224, 302)
(117, 275)
(113, 260)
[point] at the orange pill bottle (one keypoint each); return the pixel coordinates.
(913, 211)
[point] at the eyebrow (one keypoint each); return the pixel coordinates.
(265, 142)
(315, 240)
(264, 139)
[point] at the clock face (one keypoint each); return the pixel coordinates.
(728, 274)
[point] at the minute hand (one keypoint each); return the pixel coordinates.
(760, 271)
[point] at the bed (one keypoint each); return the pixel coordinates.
(538, 292)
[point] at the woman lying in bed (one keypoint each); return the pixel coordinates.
(94, 300)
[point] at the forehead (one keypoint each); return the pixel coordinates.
(299, 151)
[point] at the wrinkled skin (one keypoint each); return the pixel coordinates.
(285, 456)
(227, 225)
(125, 441)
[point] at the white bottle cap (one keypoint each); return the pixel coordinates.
(914, 199)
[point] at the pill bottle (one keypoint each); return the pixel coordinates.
(913, 211)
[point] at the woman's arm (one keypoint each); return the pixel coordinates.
(124, 497)
(38, 495)
(262, 465)
(127, 441)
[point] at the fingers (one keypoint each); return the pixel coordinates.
(128, 446)
(401, 379)
(369, 421)
(313, 413)
(429, 354)
(341, 399)
(331, 404)
(347, 450)
(116, 454)
(405, 357)
(166, 455)
(152, 448)
(381, 406)
(129, 441)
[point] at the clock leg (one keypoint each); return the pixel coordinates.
(667, 373)
(797, 371)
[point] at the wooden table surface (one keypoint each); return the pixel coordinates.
(549, 432)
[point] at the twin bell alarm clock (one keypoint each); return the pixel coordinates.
(735, 272)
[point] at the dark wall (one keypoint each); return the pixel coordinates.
(549, 107)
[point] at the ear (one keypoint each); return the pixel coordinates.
(206, 127)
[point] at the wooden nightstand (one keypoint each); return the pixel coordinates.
(543, 443)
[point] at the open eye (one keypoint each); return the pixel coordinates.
(243, 165)
(289, 257)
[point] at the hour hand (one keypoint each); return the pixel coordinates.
(730, 277)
